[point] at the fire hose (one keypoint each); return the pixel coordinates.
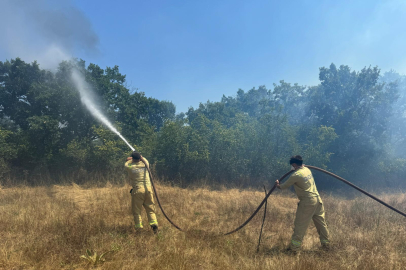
(157, 197)
(269, 193)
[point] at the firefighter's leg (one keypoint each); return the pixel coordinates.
(304, 213)
(321, 225)
(137, 199)
(149, 206)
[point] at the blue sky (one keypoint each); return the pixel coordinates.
(189, 52)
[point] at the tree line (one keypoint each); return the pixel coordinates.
(352, 123)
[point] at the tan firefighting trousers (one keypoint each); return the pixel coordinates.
(143, 196)
(309, 209)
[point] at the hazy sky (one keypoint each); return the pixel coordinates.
(193, 51)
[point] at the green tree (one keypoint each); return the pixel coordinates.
(8, 152)
(358, 107)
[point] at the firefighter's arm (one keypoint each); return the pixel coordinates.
(292, 180)
(127, 164)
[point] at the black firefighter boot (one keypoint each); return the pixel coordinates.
(154, 228)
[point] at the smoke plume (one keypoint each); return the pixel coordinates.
(46, 31)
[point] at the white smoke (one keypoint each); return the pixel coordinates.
(44, 31)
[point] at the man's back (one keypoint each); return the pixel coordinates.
(137, 173)
(303, 182)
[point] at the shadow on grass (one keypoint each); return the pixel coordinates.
(203, 235)
(278, 251)
(125, 231)
(272, 251)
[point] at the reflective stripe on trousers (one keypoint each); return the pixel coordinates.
(153, 222)
(142, 197)
(296, 243)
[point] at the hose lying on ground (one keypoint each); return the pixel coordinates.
(270, 192)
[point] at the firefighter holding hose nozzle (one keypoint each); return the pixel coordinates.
(310, 206)
(141, 192)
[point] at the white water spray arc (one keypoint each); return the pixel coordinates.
(88, 99)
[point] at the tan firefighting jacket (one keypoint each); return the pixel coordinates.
(137, 173)
(303, 182)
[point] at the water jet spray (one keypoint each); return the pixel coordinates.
(88, 98)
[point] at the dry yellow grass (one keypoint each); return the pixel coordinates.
(51, 227)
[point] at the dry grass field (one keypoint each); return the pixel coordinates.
(52, 227)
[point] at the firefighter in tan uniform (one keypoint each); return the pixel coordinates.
(141, 192)
(310, 206)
